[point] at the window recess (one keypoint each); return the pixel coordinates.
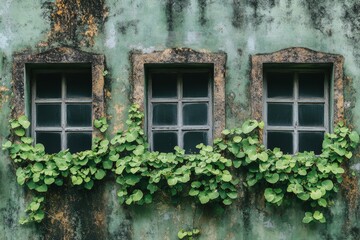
(179, 111)
(62, 109)
(296, 109)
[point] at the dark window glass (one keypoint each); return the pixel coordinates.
(48, 115)
(164, 141)
(50, 140)
(282, 140)
(48, 85)
(280, 114)
(195, 84)
(191, 139)
(77, 142)
(165, 114)
(311, 115)
(78, 85)
(164, 85)
(78, 115)
(311, 85)
(195, 114)
(311, 141)
(280, 85)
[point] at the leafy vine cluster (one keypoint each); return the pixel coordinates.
(207, 177)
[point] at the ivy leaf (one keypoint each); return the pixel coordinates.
(196, 184)
(318, 215)
(327, 184)
(226, 132)
(137, 195)
(19, 132)
(237, 139)
(39, 216)
(181, 234)
(354, 137)
(100, 174)
(193, 192)
(227, 201)
(204, 198)
(24, 122)
(249, 125)
(49, 180)
(315, 195)
(303, 196)
(308, 217)
(226, 177)
(107, 164)
(322, 202)
(172, 181)
(42, 188)
(263, 156)
(273, 178)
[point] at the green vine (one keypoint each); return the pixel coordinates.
(207, 177)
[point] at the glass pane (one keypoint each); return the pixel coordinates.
(282, 140)
(195, 114)
(311, 141)
(280, 114)
(195, 84)
(50, 140)
(77, 142)
(311, 114)
(311, 85)
(164, 85)
(78, 85)
(48, 85)
(191, 139)
(164, 141)
(280, 85)
(79, 115)
(48, 115)
(165, 114)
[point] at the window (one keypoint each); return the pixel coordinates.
(183, 96)
(179, 109)
(296, 109)
(298, 93)
(62, 92)
(62, 109)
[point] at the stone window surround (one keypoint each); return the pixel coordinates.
(63, 55)
(298, 55)
(183, 56)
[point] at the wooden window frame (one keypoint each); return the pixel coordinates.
(180, 129)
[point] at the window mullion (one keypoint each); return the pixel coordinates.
(33, 108)
(296, 112)
(180, 112)
(63, 112)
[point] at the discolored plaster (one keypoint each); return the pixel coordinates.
(295, 55)
(183, 56)
(75, 22)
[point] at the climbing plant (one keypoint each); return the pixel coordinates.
(207, 177)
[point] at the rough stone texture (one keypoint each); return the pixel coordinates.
(183, 56)
(23, 62)
(296, 56)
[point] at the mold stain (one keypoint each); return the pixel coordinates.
(202, 5)
(238, 14)
(75, 22)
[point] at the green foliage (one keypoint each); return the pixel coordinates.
(34, 211)
(207, 177)
(189, 235)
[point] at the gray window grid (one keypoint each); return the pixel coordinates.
(295, 101)
(180, 101)
(63, 129)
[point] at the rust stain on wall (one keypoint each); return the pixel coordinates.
(76, 21)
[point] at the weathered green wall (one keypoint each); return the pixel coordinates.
(237, 27)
